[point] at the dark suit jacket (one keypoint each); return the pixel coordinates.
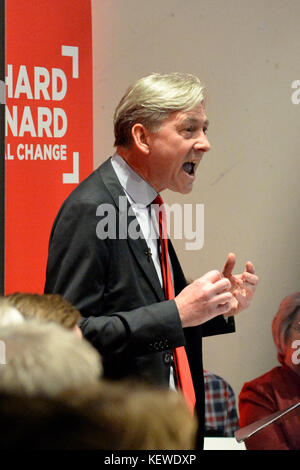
(116, 288)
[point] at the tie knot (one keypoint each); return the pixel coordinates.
(158, 200)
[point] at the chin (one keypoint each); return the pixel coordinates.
(186, 189)
(181, 190)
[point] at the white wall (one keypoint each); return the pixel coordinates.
(247, 54)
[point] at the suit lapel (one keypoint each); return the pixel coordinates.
(138, 247)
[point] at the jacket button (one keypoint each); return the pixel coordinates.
(167, 358)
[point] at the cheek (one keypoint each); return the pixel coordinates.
(289, 349)
(167, 162)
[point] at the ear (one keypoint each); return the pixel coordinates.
(140, 136)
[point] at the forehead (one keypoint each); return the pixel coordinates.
(196, 115)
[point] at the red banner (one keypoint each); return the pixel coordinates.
(48, 126)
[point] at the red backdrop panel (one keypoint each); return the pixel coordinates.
(48, 126)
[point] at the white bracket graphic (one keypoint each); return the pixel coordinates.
(71, 178)
(72, 51)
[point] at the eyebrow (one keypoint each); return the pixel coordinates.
(196, 121)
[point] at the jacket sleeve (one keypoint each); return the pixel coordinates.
(218, 326)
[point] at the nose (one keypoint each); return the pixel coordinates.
(202, 144)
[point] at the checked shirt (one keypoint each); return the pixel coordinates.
(221, 417)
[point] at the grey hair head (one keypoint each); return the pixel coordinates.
(152, 99)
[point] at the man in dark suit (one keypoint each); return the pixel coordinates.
(102, 259)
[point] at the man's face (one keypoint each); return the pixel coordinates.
(176, 150)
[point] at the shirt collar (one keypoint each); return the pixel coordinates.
(133, 184)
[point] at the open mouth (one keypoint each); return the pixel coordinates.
(189, 168)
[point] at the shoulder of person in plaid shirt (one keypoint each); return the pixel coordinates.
(221, 415)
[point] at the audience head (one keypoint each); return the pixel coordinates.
(8, 314)
(47, 307)
(72, 409)
(135, 416)
(44, 358)
(151, 99)
(286, 328)
(104, 416)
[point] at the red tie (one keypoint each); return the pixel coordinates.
(182, 369)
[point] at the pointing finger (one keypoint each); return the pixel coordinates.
(229, 265)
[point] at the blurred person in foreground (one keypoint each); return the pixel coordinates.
(103, 416)
(138, 416)
(279, 388)
(47, 308)
(132, 294)
(45, 359)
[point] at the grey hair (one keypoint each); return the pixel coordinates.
(45, 359)
(151, 99)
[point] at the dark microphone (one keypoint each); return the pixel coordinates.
(248, 431)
